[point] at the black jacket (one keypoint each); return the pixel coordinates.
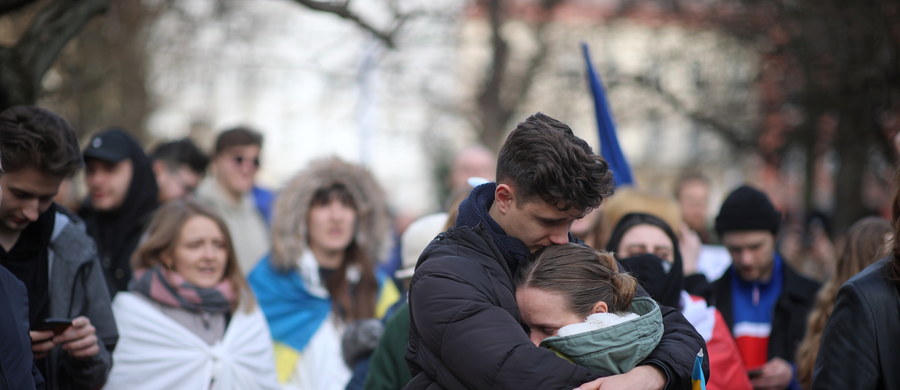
(859, 346)
(798, 294)
(17, 366)
(466, 333)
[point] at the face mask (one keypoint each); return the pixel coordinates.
(657, 277)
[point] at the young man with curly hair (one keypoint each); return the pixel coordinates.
(465, 327)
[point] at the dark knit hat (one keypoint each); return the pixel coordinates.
(747, 208)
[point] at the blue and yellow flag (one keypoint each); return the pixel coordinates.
(698, 382)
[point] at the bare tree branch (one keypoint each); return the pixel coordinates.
(12, 5)
(23, 66)
(342, 10)
(729, 133)
(503, 92)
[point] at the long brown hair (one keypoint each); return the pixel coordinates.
(322, 179)
(164, 232)
(359, 301)
(865, 243)
(582, 275)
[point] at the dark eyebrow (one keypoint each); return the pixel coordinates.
(28, 194)
(551, 221)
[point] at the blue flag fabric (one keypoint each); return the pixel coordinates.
(698, 382)
(606, 128)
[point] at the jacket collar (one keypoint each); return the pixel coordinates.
(473, 211)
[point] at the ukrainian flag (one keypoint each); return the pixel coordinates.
(698, 382)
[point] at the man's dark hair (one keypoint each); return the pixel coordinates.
(35, 137)
(181, 152)
(237, 136)
(542, 157)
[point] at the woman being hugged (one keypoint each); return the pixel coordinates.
(189, 319)
(577, 304)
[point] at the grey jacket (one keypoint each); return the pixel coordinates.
(77, 288)
(615, 349)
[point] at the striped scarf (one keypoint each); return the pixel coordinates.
(171, 289)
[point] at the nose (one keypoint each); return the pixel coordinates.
(560, 236)
(743, 257)
(209, 251)
(31, 209)
(337, 210)
(95, 177)
(535, 337)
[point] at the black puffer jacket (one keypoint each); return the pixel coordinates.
(465, 329)
(859, 346)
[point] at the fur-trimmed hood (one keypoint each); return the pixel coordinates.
(289, 230)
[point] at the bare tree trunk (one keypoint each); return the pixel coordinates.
(849, 183)
(25, 64)
(503, 91)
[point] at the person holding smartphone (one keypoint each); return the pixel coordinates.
(38, 151)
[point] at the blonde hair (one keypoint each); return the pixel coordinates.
(865, 243)
(630, 200)
(164, 231)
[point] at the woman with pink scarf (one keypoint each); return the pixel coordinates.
(188, 319)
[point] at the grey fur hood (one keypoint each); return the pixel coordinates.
(289, 230)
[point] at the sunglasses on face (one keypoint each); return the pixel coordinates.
(240, 160)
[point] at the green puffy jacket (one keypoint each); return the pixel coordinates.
(615, 349)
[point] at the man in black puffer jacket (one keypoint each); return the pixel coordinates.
(465, 328)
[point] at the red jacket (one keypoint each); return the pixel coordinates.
(726, 370)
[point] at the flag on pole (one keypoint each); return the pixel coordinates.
(606, 128)
(698, 382)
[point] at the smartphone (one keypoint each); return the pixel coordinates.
(754, 373)
(57, 325)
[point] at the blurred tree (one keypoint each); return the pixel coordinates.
(387, 34)
(828, 84)
(99, 66)
(506, 87)
(100, 78)
(23, 65)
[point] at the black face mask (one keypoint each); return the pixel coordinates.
(658, 277)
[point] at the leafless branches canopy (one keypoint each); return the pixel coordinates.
(22, 67)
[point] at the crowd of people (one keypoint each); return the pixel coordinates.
(178, 271)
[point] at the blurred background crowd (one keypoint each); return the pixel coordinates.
(272, 113)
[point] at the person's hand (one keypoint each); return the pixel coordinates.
(776, 374)
(690, 244)
(80, 339)
(41, 342)
(640, 377)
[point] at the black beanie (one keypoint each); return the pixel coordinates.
(747, 208)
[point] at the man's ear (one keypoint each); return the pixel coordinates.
(158, 167)
(600, 307)
(504, 197)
